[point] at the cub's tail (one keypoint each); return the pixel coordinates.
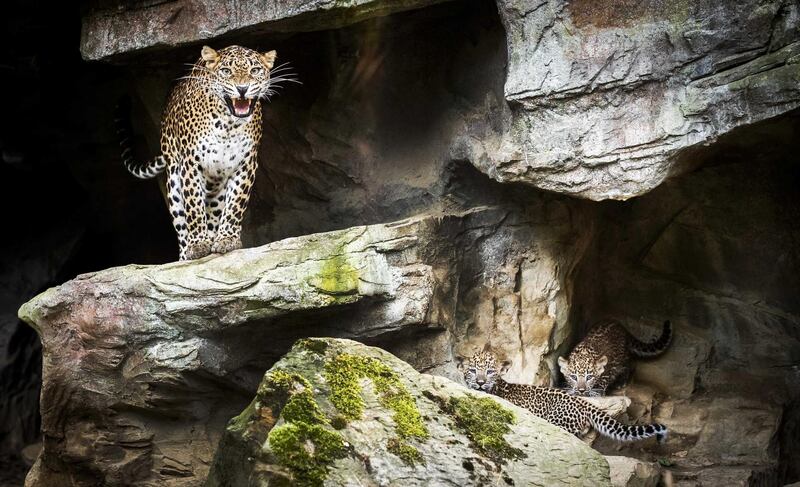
(122, 120)
(656, 347)
(610, 427)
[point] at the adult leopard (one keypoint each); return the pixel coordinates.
(210, 133)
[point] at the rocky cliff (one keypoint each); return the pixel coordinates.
(465, 159)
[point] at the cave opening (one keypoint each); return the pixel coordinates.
(714, 251)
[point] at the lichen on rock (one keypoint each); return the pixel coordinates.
(337, 277)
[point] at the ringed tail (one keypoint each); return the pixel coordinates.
(610, 427)
(122, 121)
(656, 347)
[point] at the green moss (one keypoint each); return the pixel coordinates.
(343, 373)
(484, 421)
(407, 453)
(665, 462)
(303, 444)
(307, 450)
(339, 422)
(315, 345)
(337, 277)
(302, 408)
(239, 423)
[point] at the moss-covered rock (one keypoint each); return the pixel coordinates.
(335, 412)
(485, 422)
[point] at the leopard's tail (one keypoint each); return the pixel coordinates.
(610, 427)
(122, 120)
(656, 347)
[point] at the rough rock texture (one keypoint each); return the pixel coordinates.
(113, 27)
(630, 472)
(715, 251)
(606, 100)
(608, 96)
(394, 116)
(447, 434)
(34, 268)
(153, 359)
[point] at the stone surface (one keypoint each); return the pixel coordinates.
(113, 28)
(608, 97)
(25, 270)
(394, 116)
(155, 358)
(715, 252)
(448, 447)
(630, 472)
(602, 105)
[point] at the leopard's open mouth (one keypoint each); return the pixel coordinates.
(240, 107)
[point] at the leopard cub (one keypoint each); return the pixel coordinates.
(573, 414)
(604, 355)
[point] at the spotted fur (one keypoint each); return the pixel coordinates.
(603, 357)
(554, 405)
(210, 134)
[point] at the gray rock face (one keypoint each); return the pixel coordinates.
(155, 359)
(711, 252)
(399, 428)
(606, 100)
(630, 472)
(114, 28)
(144, 366)
(608, 97)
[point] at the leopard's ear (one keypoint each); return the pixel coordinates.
(563, 364)
(504, 367)
(210, 56)
(268, 58)
(600, 364)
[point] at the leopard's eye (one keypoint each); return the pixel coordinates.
(589, 376)
(256, 70)
(489, 371)
(573, 377)
(225, 71)
(472, 370)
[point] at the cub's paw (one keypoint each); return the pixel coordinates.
(197, 250)
(226, 244)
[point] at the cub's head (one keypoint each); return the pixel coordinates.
(240, 76)
(582, 375)
(482, 370)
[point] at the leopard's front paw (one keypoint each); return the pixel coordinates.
(226, 244)
(197, 250)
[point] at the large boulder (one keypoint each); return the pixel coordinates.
(336, 412)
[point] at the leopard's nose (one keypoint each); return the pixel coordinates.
(480, 382)
(242, 89)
